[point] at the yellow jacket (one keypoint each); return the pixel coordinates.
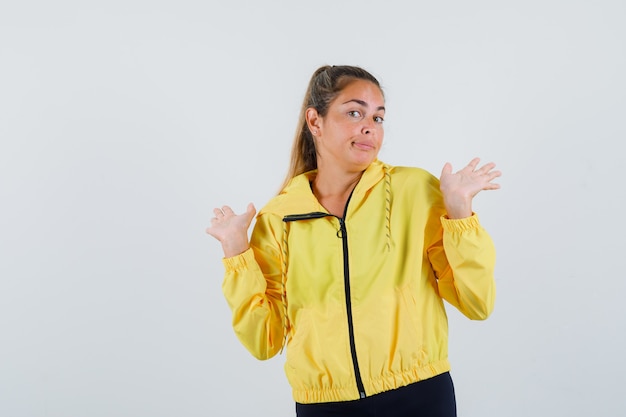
(359, 301)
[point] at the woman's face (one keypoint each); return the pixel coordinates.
(351, 133)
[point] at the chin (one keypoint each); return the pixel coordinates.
(362, 165)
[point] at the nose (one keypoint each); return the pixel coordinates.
(368, 127)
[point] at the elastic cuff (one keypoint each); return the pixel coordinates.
(460, 225)
(240, 261)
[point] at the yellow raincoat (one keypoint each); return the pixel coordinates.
(358, 300)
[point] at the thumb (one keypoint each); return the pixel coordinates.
(447, 169)
(250, 211)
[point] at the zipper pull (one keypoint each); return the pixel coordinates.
(342, 228)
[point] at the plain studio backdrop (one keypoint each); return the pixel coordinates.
(122, 124)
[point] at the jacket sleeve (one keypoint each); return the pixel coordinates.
(253, 290)
(464, 261)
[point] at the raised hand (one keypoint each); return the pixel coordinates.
(461, 187)
(231, 229)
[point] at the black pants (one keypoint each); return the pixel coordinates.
(432, 397)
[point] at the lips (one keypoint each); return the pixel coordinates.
(365, 146)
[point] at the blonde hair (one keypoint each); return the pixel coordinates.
(325, 85)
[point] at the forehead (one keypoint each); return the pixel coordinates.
(361, 90)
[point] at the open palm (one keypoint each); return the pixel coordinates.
(231, 229)
(459, 188)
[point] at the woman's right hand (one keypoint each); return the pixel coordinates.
(231, 229)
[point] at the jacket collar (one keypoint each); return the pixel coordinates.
(297, 196)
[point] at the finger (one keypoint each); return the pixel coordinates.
(447, 169)
(218, 213)
(473, 163)
(486, 169)
(251, 209)
(494, 174)
(250, 212)
(227, 211)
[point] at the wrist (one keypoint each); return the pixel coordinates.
(461, 214)
(234, 247)
(458, 210)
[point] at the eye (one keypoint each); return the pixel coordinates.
(354, 113)
(378, 119)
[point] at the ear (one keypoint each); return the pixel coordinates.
(313, 121)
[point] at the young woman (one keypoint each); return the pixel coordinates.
(349, 265)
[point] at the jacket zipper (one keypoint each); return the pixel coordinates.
(346, 277)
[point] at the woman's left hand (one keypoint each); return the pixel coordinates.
(459, 188)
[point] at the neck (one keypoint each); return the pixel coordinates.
(334, 184)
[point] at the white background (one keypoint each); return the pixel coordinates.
(123, 123)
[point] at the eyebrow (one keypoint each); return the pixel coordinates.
(364, 104)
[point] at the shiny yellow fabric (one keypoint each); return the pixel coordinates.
(404, 258)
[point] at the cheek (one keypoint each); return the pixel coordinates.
(380, 134)
(349, 130)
